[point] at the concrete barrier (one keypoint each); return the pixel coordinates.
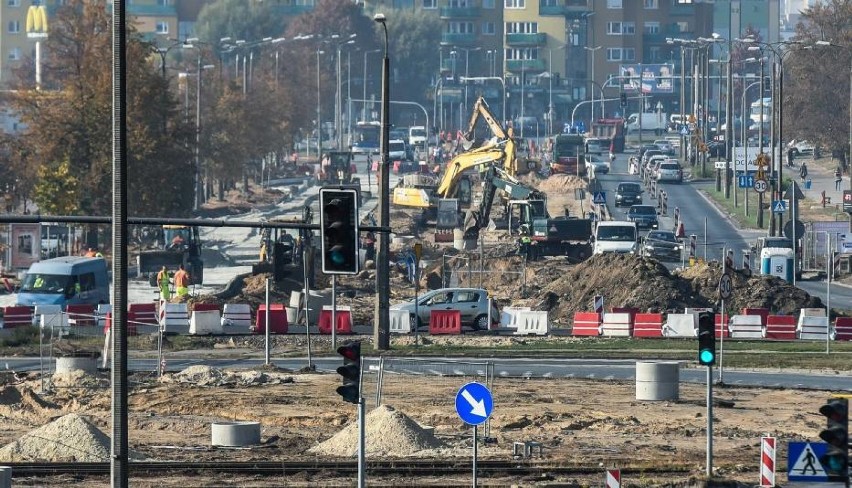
(532, 322)
(813, 328)
(400, 322)
(680, 325)
(746, 327)
(657, 380)
(509, 316)
(205, 322)
(237, 314)
(617, 325)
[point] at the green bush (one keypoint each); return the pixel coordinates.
(21, 336)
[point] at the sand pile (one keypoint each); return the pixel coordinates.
(388, 433)
(207, 376)
(69, 438)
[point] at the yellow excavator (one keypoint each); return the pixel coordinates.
(423, 192)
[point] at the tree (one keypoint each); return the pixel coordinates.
(239, 20)
(817, 78)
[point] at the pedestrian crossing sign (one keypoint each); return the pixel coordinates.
(803, 461)
(779, 206)
(599, 198)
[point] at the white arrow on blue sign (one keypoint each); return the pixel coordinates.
(474, 403)
(746, 181)
(779, 206)
(599, 198)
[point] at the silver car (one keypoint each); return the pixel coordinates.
(471, 302)
(669, 171)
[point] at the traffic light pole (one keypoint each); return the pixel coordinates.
(362, 434)
(709, 421)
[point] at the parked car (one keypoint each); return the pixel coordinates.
(669, 170)
(644, 216)
(600, 165)
(650, 154)
(665, 146)
(471, 302)
(396, 150)
(801, 147)
(628, 193)
(662, 244)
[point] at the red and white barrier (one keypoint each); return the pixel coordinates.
(762, 312)
(648, 325)
(145, 313)
(680, 325)
(813, 324)
(746, 327)
(533, 322)
(722, 326)
(343, 318)
(617, 325)
(81, 315)
(445, 322)
(237, 314)
(400, 322)
(780, 328)
(767, 462)
(586, 324)
(205, 322)
(613, 478)
(277, 319)
(173, 315)
(843, 329)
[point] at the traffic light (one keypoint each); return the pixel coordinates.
(767, 83)
(351, 372)
(623, 99)
(706, 338)
(339, 230)
(835, 461)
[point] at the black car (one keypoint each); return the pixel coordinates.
(662, 244)
(645, 216)
(628, 193)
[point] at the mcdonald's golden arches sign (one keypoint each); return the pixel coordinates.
(37, 21)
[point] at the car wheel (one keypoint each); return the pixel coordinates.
(480, 323)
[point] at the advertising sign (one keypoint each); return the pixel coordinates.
(655, 78)
(26, 244)
(740, 156)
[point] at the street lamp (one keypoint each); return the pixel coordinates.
(338, 118)
(466, 67)
(381, 333)
(495, 78)
(592, 50)
(550, 88)
(491, 57)
(319, 115)
(364, 97)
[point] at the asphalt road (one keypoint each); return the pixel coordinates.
(594, 369)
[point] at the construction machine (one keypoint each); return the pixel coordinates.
(279, 249)
(340, 170)
(178, 244)
(526, 212)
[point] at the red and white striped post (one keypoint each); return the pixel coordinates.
(767, 462)
(598, 304)
(613, 478)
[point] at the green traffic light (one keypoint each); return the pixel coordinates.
(706, 356)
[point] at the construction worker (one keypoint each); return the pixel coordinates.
(177, 241)
(90, 253)
(163, 283)
(526, 242)
(181, 282)
(98, 254)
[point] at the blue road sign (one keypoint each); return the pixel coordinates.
(684, 131)
(474, 403)
(746, 181)
(779, 206)
(803, 461)
(599, 198)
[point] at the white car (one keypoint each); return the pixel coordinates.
(801, 147)
(599, 164)
(396, 150)
(664, 146)
(670, 171)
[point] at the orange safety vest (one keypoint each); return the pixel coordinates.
(181, 279)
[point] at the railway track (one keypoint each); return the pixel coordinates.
(386, 467)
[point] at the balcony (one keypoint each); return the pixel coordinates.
(457, 39)
(459, 12)
(658, 38)
(526, 65)
(682, 9)
(521, 40)
(563, 7)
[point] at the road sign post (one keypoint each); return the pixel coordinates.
(474, 405)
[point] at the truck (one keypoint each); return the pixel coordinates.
(611, 130)
(417, 136)
(650, 121)
(569, 155)
(177, 245)
(340, 170)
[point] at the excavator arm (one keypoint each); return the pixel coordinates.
(496, 179)
(480, 109)
(448, 186)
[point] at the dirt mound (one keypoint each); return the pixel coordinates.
(560, 182)
(207, 376)
(389, 432)
(69, 438)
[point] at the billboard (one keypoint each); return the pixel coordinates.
(655, 78)
(740, 158)
(26, 245)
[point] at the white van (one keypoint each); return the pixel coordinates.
(616, 236)
(417, 136)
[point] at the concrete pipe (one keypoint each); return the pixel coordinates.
(235, 434)
(657, 380)
(68, 364)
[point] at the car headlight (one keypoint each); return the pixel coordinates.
(678, 247)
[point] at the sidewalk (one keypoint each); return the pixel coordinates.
(822, 179)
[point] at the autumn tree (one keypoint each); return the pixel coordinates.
(817, 77)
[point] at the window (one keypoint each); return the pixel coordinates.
(515, 3)
(14, 3)
(574, 39)
(613, 54)
(628, 28)
(651, 28)
(521, 27)
(613, 28)
(430, 4)
(487, 3)
(15, 54)
(14, 26)
(655, 53)
(682, 26)
(162, 27)
(620, 54)
(628, 54)
(459, 3)
(651, 4)
(488, 29)
(613, 3)
(683, 2)
(467, 296)
(460, 28)
(514, 54)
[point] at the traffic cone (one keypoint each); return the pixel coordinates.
(680, 231)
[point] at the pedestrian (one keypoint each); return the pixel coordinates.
(790, 156)
(803, 171)
(181, 282)
(838, 178)
(369, 246)
(163, 283)
(90, 253)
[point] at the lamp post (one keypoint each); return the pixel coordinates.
(381, 333)
(364, 97)
(491, 58)
(338, 115)
(592, 50)
(550, 89)
(495, 78)
(319, 116)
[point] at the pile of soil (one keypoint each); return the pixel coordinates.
(389, 432)
(69, 438)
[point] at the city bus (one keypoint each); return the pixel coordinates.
(365, 137)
